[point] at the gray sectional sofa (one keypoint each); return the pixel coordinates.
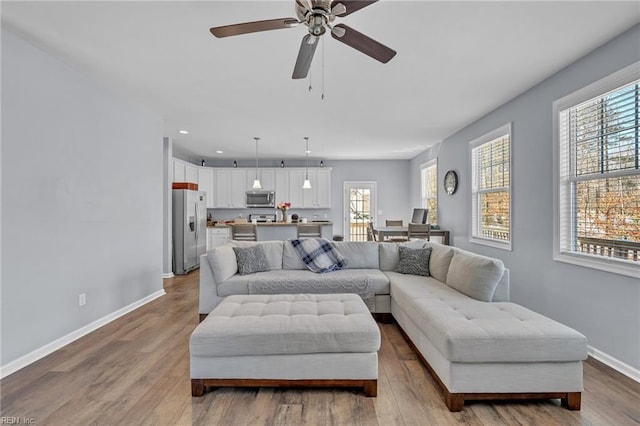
(475, 342)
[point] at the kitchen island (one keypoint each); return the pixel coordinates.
(280, 231)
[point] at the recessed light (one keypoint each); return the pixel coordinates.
(218, 152)
(183, 132)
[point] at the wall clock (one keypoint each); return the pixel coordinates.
(451, 182)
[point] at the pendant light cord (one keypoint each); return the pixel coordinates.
(257, 139)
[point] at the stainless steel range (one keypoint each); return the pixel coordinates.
(263, 218)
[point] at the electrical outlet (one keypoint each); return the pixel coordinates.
(82, 299)
(325, 216)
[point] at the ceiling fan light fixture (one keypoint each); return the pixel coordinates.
(256, 181)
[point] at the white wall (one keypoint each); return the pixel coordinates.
(603, 306)
(81, 199)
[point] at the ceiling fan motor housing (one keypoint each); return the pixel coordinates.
(316, 18)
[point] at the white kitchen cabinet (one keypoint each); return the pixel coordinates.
(281, 185)
(266, 176)
(184, 171)
(296, 194)
(319, 195)
(217, 236)
(230, 186)
(191, 173)
(205, 183)
(178, 171)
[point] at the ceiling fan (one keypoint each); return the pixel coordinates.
(318, 16)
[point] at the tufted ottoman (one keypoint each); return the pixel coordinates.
(292, 340)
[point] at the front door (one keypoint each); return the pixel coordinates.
(359, 209)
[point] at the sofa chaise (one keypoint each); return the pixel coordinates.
(453, 309)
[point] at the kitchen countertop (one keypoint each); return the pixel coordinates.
(284, 223)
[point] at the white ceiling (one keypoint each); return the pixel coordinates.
(456, 62)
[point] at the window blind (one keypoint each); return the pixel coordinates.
(599, 175)
(430, 190)
(491, 187)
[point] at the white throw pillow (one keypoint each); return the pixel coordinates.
(474, 275)
(223, 263)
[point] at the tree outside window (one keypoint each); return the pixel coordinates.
(491, 188)
(429, 185)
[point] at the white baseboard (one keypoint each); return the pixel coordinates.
(614, 363)
(167, 275)
(45, 350)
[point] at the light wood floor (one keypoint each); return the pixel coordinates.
(135, 371)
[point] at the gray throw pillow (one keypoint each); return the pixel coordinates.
(414, 261)
(251, 260)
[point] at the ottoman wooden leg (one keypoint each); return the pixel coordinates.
(371, 387)
(197, 387)
(572, 400)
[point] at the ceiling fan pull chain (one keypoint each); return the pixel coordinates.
(310, 79)
(322, 96)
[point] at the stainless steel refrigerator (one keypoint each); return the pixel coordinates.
(189, 229)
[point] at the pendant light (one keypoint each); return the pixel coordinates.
(307, 182)
(256, 182)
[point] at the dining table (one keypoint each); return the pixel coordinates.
(403, 231)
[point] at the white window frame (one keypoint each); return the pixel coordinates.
(424, 197)
(475, 211)
(561, 192)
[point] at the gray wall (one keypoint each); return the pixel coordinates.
(81, 199)
(392, 179)
(603, 306)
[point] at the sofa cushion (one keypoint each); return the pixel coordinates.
(239, 284)
(251, 259)
(272, 250)
(441, 256)
(466, 330)
(223, 263)
(414, 261)
(474, 275)
(290, 257)
(359, 255)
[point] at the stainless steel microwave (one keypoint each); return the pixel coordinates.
(261, 199)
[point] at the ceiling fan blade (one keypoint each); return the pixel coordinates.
(354, 5)
(361, 42)
(305, 4)
(305, 56)
(253, 27)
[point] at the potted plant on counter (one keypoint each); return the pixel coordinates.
(283, 206)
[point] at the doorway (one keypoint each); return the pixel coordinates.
(359, 209)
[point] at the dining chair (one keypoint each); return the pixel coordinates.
(308, 231)
(244, 232)
(419, 231)
(395, 239)
(371, 233)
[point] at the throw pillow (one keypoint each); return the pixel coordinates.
(414, 261)
(251, 260)
(475, 275)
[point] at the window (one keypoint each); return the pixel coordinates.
(429, 183)
(491, 188)
(597, 215)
